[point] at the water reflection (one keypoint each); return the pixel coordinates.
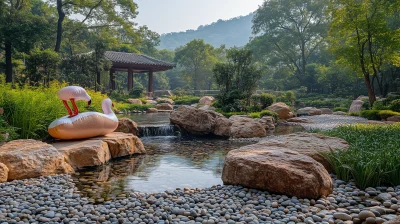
(170, 163)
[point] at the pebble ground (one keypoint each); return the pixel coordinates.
(55, 199)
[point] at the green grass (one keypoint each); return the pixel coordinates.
(373, 158)
(32, 109)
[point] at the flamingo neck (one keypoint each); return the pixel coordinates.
(106, 109)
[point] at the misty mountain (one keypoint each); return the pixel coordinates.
(233, 32)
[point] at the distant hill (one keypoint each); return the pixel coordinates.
(233, 32)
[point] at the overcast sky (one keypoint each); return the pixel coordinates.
(165, 16)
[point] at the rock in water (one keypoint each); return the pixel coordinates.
(122, 144)
(277, 169)
(282, 110)
(245, 127)
(27, 158)
(126, 125)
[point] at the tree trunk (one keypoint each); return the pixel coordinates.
(9, 73)
(371, 94)
(61, 16)
(97, 86)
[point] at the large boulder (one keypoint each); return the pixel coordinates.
(356, 106)
(194, 121)
(207, 107)
(309, 144)
(134, 101)
(164, 106)
(282, 110)
(3, 173)
(122, 144)
(84, 153)
(394, 118)
(222, 127)
(165, 100)
(126, 125)
(207, 100)
(278, 170)
(268, 122)
(308, 111)
(151, 110)
(246, 127)
(326, 111)
(29, 158)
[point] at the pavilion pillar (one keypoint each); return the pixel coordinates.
(130, 78)
(112, 79)
(150, 89)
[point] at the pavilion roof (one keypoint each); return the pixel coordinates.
(136, 60)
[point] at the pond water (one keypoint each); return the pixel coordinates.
(171, 162)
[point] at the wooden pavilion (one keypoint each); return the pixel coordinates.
(135, 63)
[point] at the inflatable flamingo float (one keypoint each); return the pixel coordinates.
(85, 125)
(73, 93)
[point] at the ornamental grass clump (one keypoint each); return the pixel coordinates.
(373, 158)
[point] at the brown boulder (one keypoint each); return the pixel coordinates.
(268, 122)
(84, 153)
(309, 144)
(326, 111)
(194, 121)
(122, 144)
(151, 110)
(134, 101)
(281, 109)
(246, 127)
(126, 125)
(356, 106)
(299, 120)
(278, 170)
(222, 127)
(308, 111)
(3, 173)
(207, 100)
(394, 118)
(28, 158)
(164, 106)
(339, 113)
(158, 93)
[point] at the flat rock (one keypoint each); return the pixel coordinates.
(326, 111)
(278, 170)
(122, 144)
(309, 144)
(308, 111)
(151, 110)
(135, 101)
(299, 120)
(3, 173)
(164, 106)
(165, 100)
(126, 125)
(84, 153)
(281, 109)
(28, 158)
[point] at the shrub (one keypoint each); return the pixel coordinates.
(255, 108)
(6, 128)
(354, 114)
(343, 109)
(384, 114)
(370, 114)
(380, 105)
(395, 105)
(255, 115)
(373, 157)
(269, 113)
(229, 114)
(267, 100)
(185, 99)
(137, 92)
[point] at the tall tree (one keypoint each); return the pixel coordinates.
(290, 31)
(362, 39)
(196, 59)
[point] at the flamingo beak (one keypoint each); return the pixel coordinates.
(112, 104)
(89, 102)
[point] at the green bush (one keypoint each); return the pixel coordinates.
(395, 105)
(137, 92)
(343, 109)
(6, 128)
(370, 114)
(255, 115)
(269, 113)
(185, 99)
(354, 114)
(380, 105)
(267, 100)
(255, 108)
(229, 114)
(384, 114)
(373, 157)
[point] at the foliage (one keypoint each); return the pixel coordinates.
(395, 105)
(137, 92)
(40, 66)
(269, 113)
(196, 59)
(373, 158)
(237, 80)
(384, 114)
(354, 114)
(229, 114)
(185, 99)
(6, 128)
(361, 37)
(370, 114)
(343, 109)
(31, 109)
(266, 100)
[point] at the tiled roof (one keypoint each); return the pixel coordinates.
(135, 59)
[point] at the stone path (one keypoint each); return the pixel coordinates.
(56, 200)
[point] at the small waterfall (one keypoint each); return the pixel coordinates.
(161, 130)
